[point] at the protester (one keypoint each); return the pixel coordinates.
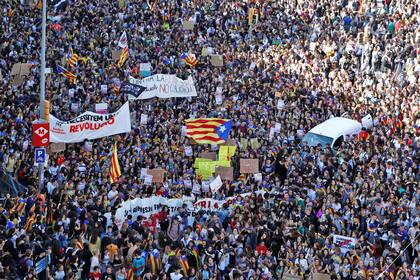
(300, 63)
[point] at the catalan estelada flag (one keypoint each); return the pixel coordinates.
(72, 58)
(66, 73)
(154, 262)
(114, 171)
(184, 265)
(208, 130)
(123, 57)
(189, 59)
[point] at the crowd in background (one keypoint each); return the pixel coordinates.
(299, 64)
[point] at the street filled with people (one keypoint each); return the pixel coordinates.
(272, 70)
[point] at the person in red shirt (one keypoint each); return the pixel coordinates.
(261, 248)
(363, 135)
(95, 274)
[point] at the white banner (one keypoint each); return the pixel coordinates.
(152, 205)
(163, 86)
(344, 243)
(90, 126)
(148, 206)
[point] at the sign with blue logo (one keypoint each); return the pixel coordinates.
(40, 156)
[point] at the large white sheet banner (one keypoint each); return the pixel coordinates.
(163, 86)
(90, 125)
(148, 206)
(344, 243)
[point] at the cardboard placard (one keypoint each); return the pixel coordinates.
(208, 155)
(22, 69)
(255, 144)
(157, 173)
(25, 69)
(216, 60)
(278, 94)
(57, 147)
(321, 276)
(188, 25)
(225, 173)
(288, 276)
(248, 166)
(204, 51)
(15, 69)
(17, 80)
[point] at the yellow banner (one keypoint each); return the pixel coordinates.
(226, 152)
(225, 163)
(198, 160)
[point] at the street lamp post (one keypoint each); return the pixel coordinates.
(42, 85)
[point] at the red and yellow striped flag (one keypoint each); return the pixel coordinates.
(123, 57)
(130, 274)
(114, 171)
(72, 58)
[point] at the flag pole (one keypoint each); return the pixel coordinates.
(42, 85)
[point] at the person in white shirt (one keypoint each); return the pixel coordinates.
(176, 275)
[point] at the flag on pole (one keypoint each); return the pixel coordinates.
(114, 171)
(66, 73)
(208, 130)
(123, 42)
(123, 57)
(72, 58)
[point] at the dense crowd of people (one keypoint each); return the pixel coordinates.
(300, 63)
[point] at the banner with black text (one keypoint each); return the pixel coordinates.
(90, 125)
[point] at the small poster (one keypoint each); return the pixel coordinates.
(225, 173)
(101, 108)
(104, 89)
(280, 104)
(148, 180)
(143, 119)
(145, 69)
(188, 25)
(188, 151)
(216, 184)
(143, 173)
